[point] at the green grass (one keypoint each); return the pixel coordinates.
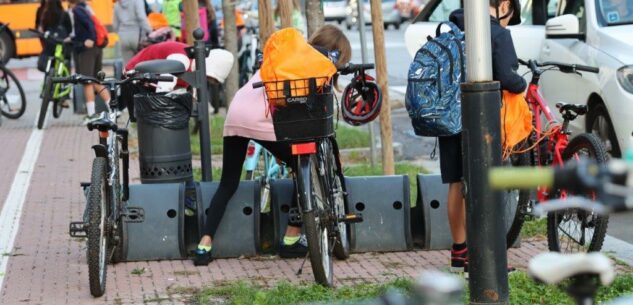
(215, 174)
(522, 291)
(402, 168)
(349, 137)
(534, 228)
(216, 125)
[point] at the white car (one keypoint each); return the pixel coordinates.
(335, 10)
(390, 14)
(595, 33)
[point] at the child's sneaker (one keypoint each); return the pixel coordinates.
(202, 257)
(295, 250)
(459, 260)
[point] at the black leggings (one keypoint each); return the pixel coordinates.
(232, 160)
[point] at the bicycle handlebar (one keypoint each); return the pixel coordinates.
(563, 67)
(352, 68)
(48, 36)
(83, 79)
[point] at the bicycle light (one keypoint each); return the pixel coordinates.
(625, 78)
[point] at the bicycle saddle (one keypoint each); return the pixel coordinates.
(575, 108)
(102, 124)
(160, 66)
(552, 268)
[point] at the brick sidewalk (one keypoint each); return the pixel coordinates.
(48, 267)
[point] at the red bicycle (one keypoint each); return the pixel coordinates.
(550, 144)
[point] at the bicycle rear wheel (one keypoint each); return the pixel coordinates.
(311, 189)
(97, 254)
(46, 97)
(13, 100)
(572, 230)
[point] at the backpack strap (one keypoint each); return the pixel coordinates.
(453, 29)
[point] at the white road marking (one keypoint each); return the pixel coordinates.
(12, 208)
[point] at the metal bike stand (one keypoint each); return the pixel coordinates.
(385, 205)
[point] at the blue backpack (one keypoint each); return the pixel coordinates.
(433, 97)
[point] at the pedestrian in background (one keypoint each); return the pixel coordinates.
(171, 10)
(88, 57)
(131, 24)
(298, 22)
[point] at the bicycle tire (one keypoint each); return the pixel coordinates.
(9, 75)
(96, 230)
(342, 244)
(115, 248)
(316, 232)
(523, 202)
(593, 146)
(46, 96)
(57, 108)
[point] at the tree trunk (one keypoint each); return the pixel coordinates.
(192, 19)
(266, 24)
(381, 78)
(314, 16)
(230, 44)
(285, 12)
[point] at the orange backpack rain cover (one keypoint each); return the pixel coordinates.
(288, 56)
(516, 121)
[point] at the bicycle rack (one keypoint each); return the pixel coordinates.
(153, 226)
(281, 193)
(430, 223)
(238, 233)
(385, 205)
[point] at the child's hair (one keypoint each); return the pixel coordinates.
(332, 38)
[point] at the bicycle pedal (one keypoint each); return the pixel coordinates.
(352, 218)
(77, 229)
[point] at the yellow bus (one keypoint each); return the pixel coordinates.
(19, 16)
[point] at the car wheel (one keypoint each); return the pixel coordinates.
(386, 25)
(599, 123)
(396, 26)
(348, 26)
(7, 48)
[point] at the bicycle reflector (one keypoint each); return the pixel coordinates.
(303, 148)
(250, 150)
(362, 101)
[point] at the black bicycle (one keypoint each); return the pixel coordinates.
(12, 98)
(303, 116)
(103, 216)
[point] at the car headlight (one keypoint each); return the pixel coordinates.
(625, 78)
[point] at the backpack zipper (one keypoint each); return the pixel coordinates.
(448, 51)
(439, 71)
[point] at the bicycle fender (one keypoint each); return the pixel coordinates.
(304, 183)
(100, 150)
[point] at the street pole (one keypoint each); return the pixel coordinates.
(363, 54)
(203, 107)
(381, 78)
(266, 24)
(481, 144)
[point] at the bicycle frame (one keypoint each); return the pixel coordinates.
(557, 135)
(272, 169)
(60, 68)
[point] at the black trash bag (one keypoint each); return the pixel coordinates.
(169, 110)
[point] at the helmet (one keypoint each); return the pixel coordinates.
(218, 64)
(361, 101)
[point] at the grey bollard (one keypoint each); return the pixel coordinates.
(281, 192)
(238, 232)
(432, 221)
(384, 203)
(158, 233)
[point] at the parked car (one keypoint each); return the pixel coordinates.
(390, 14)
(588, 32)
(409, 8)
(335, 10)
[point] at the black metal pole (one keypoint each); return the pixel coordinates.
(203, 108)
(485, 217)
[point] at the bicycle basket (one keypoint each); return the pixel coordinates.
(302, 110)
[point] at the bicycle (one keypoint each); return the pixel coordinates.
(103, 216)
(12, 98)
(261, 164)
(57, 65)
(247, 55)
(608, 182)
(305, 121)
(550, 145)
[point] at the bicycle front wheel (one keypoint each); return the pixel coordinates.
(516, 201)
(46, 97)
(13, 100)
(311, 190)
(96, 230)
(573, 230)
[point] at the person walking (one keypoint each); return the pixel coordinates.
(131, 24)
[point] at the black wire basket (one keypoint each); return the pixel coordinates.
(303, 108)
